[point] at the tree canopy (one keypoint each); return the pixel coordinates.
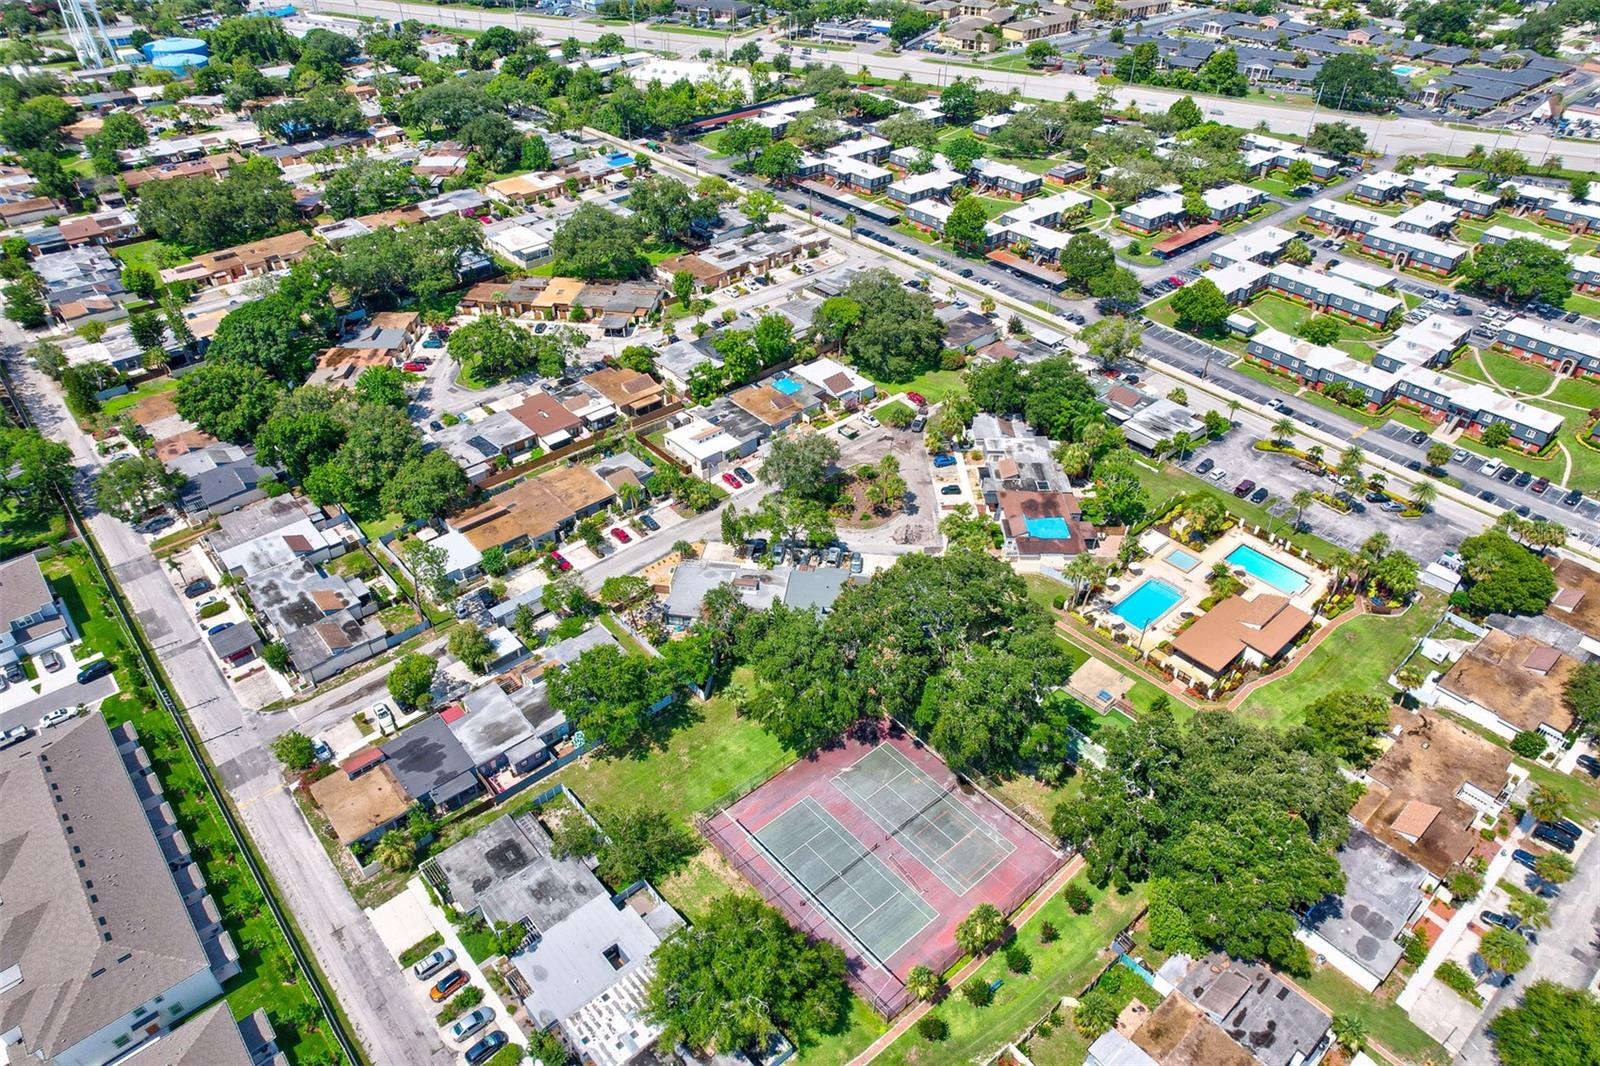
(596, 245)
(1503, 576)
(1521, 269)
(252, 202)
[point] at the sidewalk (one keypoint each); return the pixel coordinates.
(910, 1017)
(1452, 932)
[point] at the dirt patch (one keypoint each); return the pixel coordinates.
(155, 408)
(853, 493)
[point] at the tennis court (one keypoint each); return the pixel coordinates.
(940, 833)
(866, 899)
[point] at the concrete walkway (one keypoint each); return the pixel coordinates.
(1452, 932)
(911, 1016)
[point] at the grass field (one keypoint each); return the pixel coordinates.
(153, 254)
(1513, 374)
(1361, 656)
(933, 385)
(1063, 967)
(21, 533)
(155, 387)
(1387, 1023)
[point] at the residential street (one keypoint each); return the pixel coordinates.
(365, 979)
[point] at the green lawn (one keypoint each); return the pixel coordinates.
(1512, 373)
(1584, 305)
(1387, 1023)
(626, 639)
(1063, 967)
(1361, 655)
(1580, 392)
(154, 254)
(1170, 481)
(1583, 798)
(154, 387)
(244, 913)
(21, 533)
(932, 385)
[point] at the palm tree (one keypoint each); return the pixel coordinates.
(1314, 453)
(396, 851)
(1301, 501)
(1233, 409)
(1086, 574)
(1350, 461)
(1424, 495)
(1546, 804)
(1343, 563)
(1377, 481)
(1503, 950)
(1074, 458)
(1283, 430)
(1557, 869)
(1181, 443)
(1411, 677)
(922, 983)
(1350, 1031)
(850, 222)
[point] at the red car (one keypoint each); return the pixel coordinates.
(732, 482)
(447, 985)
(1175, 280)
(621, 534)
(561, 562)
(917, 398)
(414, 367)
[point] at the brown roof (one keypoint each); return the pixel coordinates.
(1414, 819)
(25, 207)
(257, 254)
(526, 509)
(578, 487)
(1517, 678)
(543, 415)
(329, 600)
(837, 382)
(1015, 507)
(355, 807)
(1177, 1034)
(1429, 762)
(1266, 624)
(625, 388)
(190, 440)
(767, 403)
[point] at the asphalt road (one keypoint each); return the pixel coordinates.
(1395, 135)
(365, 978)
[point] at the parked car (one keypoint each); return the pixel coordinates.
(1540, 485)
(433, 963)
(1204, 466)
(1260, 495)
(1589, 765)
(218, 628)
(14, 673)
(198, 587)
(15, 735)
(649, 523)
(485, 1048)
(321, 752)
(871, 420)
(918, 423)
(52, 661)
(1504, 921)
(917, 398)
(1419, 437)
(561, 561)
(383, 715)
(1506, 473)
(433, 342)
(1523, 479)
(1218, 474)
(950, 490)
(98, 668)
(1572, 498)
(942, 460)
(744, 475)
(857, 563)
(471, 1022)
(1546, 835)
(448, 985)
(413, 367)
(1524, 858)
(61, 714)
(1244, 488)
(156, 524)
(1562, 825)
(833, 555)
(732, 482)
(207, 602)
(621, 535)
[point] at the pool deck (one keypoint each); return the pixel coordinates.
(1192, 582)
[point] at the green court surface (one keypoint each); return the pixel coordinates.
(866, 899)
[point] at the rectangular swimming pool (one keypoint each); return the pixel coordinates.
(787, 386)
(1147, 603)
(1267, 569)
(1049, 527)
(1182, 560)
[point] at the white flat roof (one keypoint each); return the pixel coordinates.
(1363, 275)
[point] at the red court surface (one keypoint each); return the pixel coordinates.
(878, 847)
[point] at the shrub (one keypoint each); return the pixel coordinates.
(1414, 948)
(1458, 980)
(978, 992)
(1464, 884)
(211, 610)
(276, 655)
(1529, 745)
(1078, 898)
(464, 1001)
(1048, 933)
(932, 1027)
(1018, 960)
(416, 952)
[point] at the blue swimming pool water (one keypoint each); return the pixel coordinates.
(1048, 528)
(1146, 603)
(1406, 71)
(787, 386)
(1268, 569)
(1182, 560)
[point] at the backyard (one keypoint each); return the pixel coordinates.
(1387, 1023)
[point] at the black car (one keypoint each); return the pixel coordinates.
(965, 272)
(1545, 835)
(1376, 497)
(1572, 499)
(1524, 858)
(1419, 438)
(94, 670)
(1504, 921)
(1259, 496)
(1506, 473)
(649, 523)
(198, 588)
(1414, 465)
(1523, 511)
(1568, 827)
(1524, 479)
(918, 423)
(744, 475)
(486, 1047)
(1204, 466)
(1487, 497)
(1589, 765)
(1571, 316)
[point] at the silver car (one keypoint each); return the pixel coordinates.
(470, 1023)
(433, 963)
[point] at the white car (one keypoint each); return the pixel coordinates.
(55, 717)
(1218, 474)
(433, 963)
(201, 605)
(870, 420)
(471, 1022)
(383, 715)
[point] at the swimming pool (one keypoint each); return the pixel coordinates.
(1267, 569)
(787, 386)
(1182, 560)
(1146, 603)
(1407, 70)
(1048, 527)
